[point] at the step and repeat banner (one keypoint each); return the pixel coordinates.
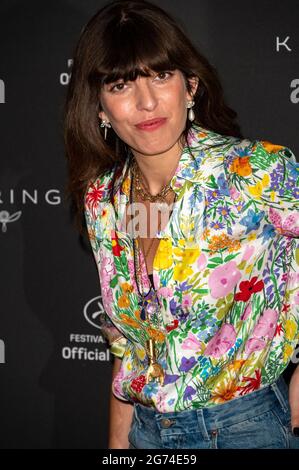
(55, 366)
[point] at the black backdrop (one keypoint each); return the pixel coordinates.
(55, 368)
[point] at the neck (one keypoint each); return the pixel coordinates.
(157, 170)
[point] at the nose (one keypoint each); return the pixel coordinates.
(145, 94)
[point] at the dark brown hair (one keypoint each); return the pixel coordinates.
(125, 39)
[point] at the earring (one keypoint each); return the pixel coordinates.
(105, 124)
(191, 115)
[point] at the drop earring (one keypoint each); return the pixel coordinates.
(105, 124)
(191, 115)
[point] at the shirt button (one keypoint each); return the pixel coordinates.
(166, 422)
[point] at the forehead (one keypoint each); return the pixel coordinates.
(127, 73)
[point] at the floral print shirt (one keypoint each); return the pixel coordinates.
(225, 271)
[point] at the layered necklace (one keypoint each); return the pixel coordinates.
(150, 306)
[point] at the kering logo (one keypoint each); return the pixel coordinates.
(2, 352)
(52, 197)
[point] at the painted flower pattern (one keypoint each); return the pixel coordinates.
(225, 272)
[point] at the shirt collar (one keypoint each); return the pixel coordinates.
(196, 164)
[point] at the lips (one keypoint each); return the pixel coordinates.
(151, 123)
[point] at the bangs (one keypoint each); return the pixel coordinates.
(133, 49)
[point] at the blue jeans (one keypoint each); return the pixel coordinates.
(259, 420)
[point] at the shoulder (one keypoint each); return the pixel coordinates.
(249, 162)
(248, 156)
(97, 192)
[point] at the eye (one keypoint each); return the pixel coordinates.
(163, 73)
(115, 89)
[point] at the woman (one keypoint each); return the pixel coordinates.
(194, 230)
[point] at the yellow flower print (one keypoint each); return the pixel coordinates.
(241, 166)
(271, 148)
(140, 353)
(251, 236)
(249, 268)
(190, 255)
(236, 365)
(126, 186)
(123, 301)
(256, 190)
(287, 352)
(181, 272)
(265, 180)
(224, 392)
(163, 257)
(290, 329)
(272, 195)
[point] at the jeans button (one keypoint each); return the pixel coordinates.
(166, 422)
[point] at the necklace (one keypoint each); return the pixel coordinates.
(143, 192)
(149, 303)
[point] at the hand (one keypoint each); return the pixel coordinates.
(294, 401)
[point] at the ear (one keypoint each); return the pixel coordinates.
(194, 84)
(103, 116)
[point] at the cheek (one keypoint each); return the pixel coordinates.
(120, 110)
(174, 98)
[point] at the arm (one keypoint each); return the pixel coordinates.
(121, 414)
(294, 399)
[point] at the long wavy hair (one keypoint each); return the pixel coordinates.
(123, 40)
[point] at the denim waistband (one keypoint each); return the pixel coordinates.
(220, 415)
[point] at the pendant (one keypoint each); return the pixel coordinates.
(155, 370)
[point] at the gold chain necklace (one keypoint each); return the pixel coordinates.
(152, 309)
(146, 195)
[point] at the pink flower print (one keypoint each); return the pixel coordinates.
(161, 397)
(223, 340)
(187, 301)
(289, 226)
(107, 271)
(192, 342)
(266, 325)
(201, 262)
(165, 292)
(249, 250)
(117, 382)
(293, 280)
(223, 279)
(296, 298)
(107, 300)
(234, 193)
(131, 271)
(246, 312)
(254, 344)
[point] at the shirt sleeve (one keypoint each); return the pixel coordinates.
(270, 179)
(116, 340)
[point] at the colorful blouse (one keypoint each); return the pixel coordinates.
(225, 271)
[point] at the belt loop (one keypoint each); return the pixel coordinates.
(136, 415)
(277, 388)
